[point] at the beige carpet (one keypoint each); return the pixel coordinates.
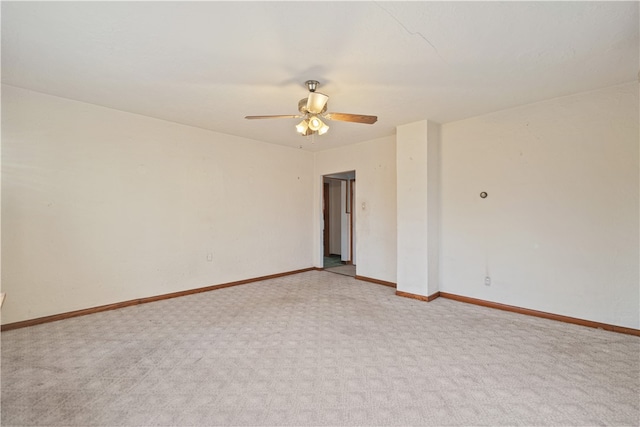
(316, 349)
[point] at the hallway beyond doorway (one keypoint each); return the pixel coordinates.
(332, 260)
(334, 264)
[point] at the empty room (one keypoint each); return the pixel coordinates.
(320, 213)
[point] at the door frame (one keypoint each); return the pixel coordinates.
(325, 215)
(350, 178)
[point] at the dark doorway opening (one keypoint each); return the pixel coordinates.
(338, 215)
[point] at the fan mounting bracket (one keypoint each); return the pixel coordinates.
(312, 85)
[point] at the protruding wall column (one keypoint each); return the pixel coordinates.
(418, 208)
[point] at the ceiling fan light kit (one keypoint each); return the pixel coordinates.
(315, 123)
(312, 108)
(317, 102)
(323, 129)
(302, 126)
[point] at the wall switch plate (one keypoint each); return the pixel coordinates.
(487, 280)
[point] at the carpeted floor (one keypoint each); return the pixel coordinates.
(316, 349)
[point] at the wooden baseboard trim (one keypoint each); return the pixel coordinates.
(376, 281)
(545, 315)
(418, 297)
(83, 312)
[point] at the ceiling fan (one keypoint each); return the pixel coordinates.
(313, 109)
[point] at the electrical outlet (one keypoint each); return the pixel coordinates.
(487, 281)
(209, 257)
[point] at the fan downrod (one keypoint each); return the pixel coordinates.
(312, 85)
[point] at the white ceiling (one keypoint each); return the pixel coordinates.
(208, 64)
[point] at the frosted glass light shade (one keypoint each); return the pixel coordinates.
(315, 123)
(323, 129)
(316, 102)
(302, 127)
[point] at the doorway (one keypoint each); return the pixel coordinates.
(338, 197)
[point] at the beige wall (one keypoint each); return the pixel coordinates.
(558, 231)
(418, 207)
(101, 206)
(375, 165)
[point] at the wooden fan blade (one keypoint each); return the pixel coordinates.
(293, 116)
(354, 118)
